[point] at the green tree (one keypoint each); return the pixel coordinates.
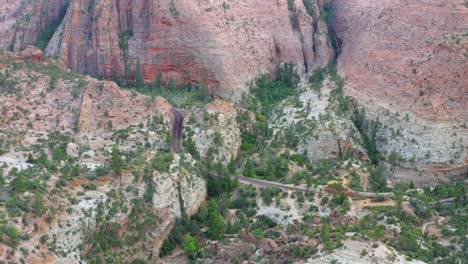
(249, 170)
(377, 179)
(2, 180)
(190, 246)
(38, 206)
(117, 163)
(140, 80)
(191, 147)
(215, 221)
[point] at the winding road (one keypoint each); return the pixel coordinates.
(263, 183)
(177, 131)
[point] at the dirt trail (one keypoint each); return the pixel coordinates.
(440, 219)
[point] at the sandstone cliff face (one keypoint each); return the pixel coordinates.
(73, 228)
(21, 22)
(215, 129)
(223, 44)
(405, 61)
(310, 121)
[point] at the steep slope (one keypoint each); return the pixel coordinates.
(405, 61)
(22, 23)
(223, 44)
(87, 156)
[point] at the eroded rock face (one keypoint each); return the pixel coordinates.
(310, 123)
(73, 228)
(40, 101)
(405, 61)
(223, 44)
(21, 22)
(215, 129)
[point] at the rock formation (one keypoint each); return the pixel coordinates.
(44, 102)
(405, 61)
(23, 22)
(223, 44)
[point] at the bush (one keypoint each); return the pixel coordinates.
(191, 247)
(378, 198)
(317, 78)
(102, 171)
(377, 179)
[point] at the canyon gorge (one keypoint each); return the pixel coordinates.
(243, 131)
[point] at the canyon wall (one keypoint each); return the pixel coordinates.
(405, 61)
(223, 44)
(21, 22)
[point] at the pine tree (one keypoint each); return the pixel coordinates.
(140, 81)
(249, 170)
(117, 163)
(215, 221)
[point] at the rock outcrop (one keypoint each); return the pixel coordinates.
(42, 102)
(405, 61)
(309, 123)
(216, 130)
(21, 22)
(223, 44)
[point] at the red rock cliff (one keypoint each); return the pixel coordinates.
(21, 22)
(225, 44)
(406, 55)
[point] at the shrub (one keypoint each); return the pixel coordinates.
(191, 247)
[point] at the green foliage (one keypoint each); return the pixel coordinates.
(249, 170)
(377, 179)
(162, 161)
(220, 183)
(106, 238)
(268, 194)
(38, 206)
(309, 7)
(24, 181)
(293, 17)
(7, 85)
(215, 221)
(368, 133)
(116, 160)
(102, 171)
(327, 16)
(337, 186)
(191, 147)
(140, 219)
(11, 236)
(48, 31)
(378, 198)
(175, 237)
(140, 81)
(124, 37)
(300, 159)
(316, 79)
(268, 92)
(272, 168)
(89, 186)
(421, 208)
(191, 247)
(263, 223)
(355, 181)
(173, 9)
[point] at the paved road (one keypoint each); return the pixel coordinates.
(262, 183)
(177, 131)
